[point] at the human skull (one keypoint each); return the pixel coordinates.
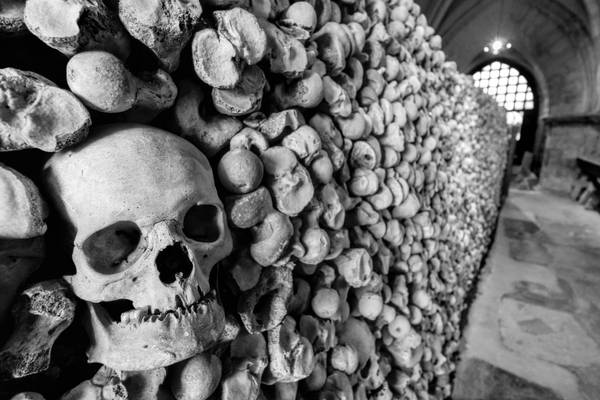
(147, 227)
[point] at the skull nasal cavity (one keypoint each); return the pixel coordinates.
(173, 263)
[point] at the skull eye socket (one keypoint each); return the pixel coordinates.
(108, 249)
(202, 223)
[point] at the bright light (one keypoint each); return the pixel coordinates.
(497, 45)
(514, 118)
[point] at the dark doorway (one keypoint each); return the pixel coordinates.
(526, 140)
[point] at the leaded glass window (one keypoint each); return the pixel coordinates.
(508, 86)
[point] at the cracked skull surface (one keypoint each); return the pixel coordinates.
(147, 227)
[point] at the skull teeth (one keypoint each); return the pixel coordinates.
(136, 315)
(179, 303)
(145, 314)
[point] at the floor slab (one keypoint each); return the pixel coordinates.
(533, 331)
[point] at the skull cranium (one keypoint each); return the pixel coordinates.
(147, 228)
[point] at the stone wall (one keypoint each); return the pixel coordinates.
(567, 139)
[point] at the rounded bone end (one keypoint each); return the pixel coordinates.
(306, 92)
(164, 27)
(244, 32)
(279, 160)
(101, 81)
(74, 26)
(245, 97)
(38, 114)
(326, 303)
(23, 210)
(240, 171)
(196, 378)
(248, 210)
(301, 14)
(214, 60)
(51, 19)
(271, 238)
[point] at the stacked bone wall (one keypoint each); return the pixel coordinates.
(477, 138)
(480, 142)
(360, 174)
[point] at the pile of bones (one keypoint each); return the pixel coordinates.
(237, 199)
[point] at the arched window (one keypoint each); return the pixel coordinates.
(510, 88)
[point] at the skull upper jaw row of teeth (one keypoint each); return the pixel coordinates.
(147, 314)
(160, 341)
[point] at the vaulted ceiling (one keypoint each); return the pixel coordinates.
(557, 41)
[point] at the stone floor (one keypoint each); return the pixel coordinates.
(533, 331)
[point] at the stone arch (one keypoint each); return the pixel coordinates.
(552, 39)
